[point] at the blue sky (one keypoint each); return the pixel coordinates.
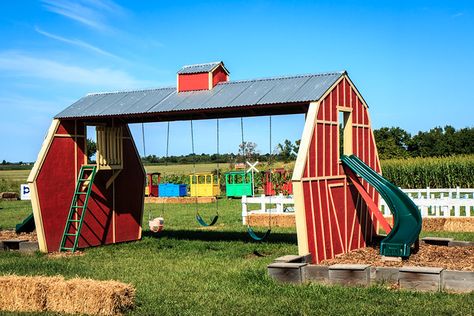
(412, 60)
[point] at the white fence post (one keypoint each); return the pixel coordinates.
(244, 210)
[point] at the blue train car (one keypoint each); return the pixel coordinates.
(172, 190)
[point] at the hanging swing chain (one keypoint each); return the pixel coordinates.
(270, 171)
(167, 142)
(166, 160)
(194, 178)
(144, 155)
(192, 148)
(143, 139)
(217, 164)
(242, 144)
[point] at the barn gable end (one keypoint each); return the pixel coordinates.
(332, 218)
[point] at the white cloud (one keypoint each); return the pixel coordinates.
(76, 42)
(457, 15)
(18, 64)
(91, 13)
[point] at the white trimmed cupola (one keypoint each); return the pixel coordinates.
(201, 76)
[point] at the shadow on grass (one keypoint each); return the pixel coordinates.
(208, 235)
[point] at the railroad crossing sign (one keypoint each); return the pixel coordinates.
(252, 169)
(252, 166)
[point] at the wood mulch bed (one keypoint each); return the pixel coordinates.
(10, 234)
(452, 258)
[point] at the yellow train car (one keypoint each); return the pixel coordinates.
(204, 184)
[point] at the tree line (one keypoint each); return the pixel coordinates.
(394, 142)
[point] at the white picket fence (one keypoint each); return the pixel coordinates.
(431, 202)
(279, 204)
(439, 202)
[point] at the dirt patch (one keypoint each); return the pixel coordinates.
(66, 254)
(10, 234)
(453, 258)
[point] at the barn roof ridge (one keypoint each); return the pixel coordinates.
(320, 74)
(200, 68)
(330, 73)
(225, 95)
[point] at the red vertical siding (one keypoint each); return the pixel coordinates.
(218, 75)
(337, 217)
(56, 183)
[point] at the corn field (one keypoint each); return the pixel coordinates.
(418, 173)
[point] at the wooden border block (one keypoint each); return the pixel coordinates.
(420, 278)
(315, 273)
(289, 258)
(458, 281)
(29, 246)
(386, 275)
(286, 272)
(352, 274)
(13, 244)
(458, 243)
(437, 241)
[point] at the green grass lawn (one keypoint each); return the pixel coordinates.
(189, 270)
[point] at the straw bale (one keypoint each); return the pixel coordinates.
(277, 220)
(90, 297)
(54, 294)
(433, 224)
(24, 294)
(9, 196)
(459, 224)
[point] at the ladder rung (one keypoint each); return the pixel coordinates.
(66, 248)
(74, 220)
(81, 193)
(78, 206)
(68, 234)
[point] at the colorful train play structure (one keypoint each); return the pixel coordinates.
(336, 193)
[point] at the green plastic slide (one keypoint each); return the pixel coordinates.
(406, 215)
(27, 226)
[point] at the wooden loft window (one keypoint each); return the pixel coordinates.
(109, 148)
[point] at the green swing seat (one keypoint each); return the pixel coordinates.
(255, 237)
(203, 223)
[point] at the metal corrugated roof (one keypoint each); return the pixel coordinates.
(193, 69)
(232, 94)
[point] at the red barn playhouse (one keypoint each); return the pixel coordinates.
(331, 214)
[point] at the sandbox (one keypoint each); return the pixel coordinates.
(25, 242)
(440, 264)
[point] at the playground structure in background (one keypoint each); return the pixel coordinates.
(277, 180)
(238, 183)
(152, 182)
(335, 202)
(204, 184)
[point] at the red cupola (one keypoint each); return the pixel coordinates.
(201, 76)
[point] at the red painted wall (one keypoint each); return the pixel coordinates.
(56, 184)
(337, 218)
(219, 75)
(191, 82)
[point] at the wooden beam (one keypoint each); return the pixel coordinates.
(373, 208)
(114, 176)
(305, 143)
(32, 183)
